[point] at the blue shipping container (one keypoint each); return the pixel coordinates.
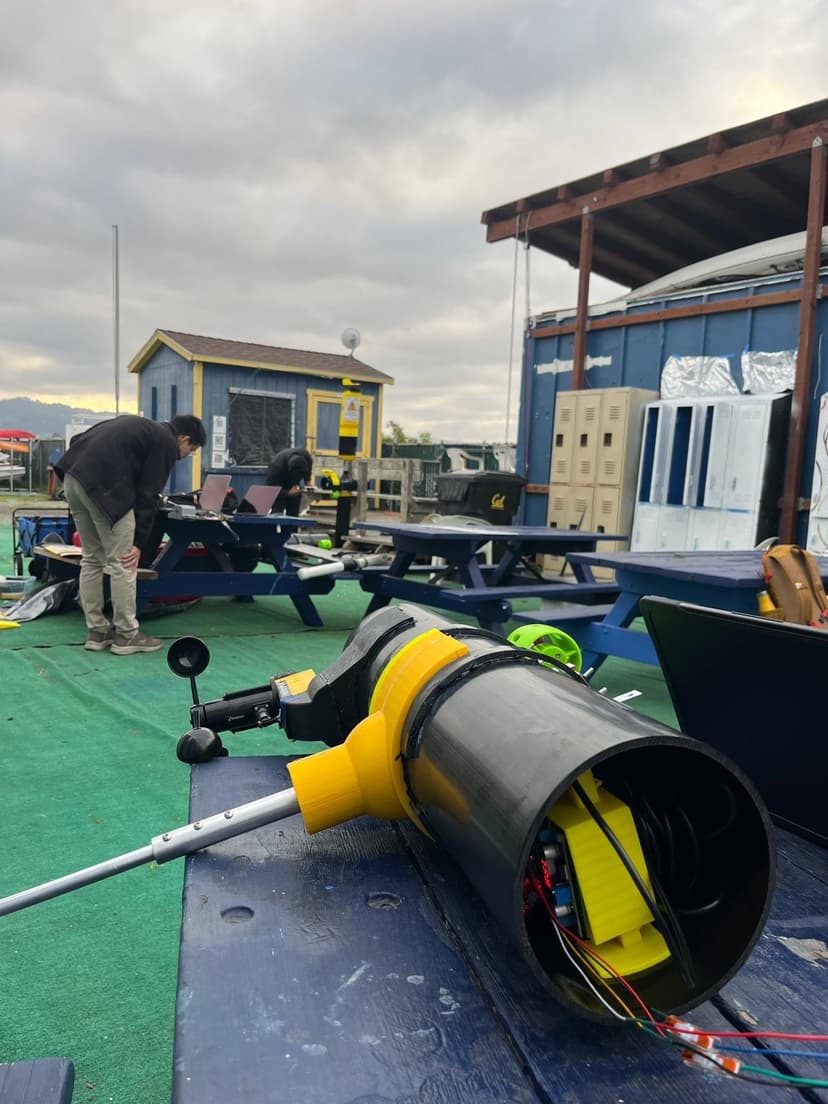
(633, 354)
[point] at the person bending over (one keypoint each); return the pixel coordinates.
(289, 469)
(112, 476)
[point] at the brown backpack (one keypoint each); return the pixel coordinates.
(795, 586)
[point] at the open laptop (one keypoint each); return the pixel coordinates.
(754, 689)
(258, 499)
(213, 492)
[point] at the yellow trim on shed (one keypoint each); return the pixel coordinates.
(198, 407)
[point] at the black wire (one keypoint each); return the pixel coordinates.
(661, 847)
(665, 921)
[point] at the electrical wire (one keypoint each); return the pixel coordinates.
(820, 1055)
(591, 952)
(583, 957)
(664, 919)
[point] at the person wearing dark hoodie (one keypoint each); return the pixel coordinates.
(289, 469)
(112, 476)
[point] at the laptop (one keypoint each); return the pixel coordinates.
(754, 689)
(213, 492)
(258, 499)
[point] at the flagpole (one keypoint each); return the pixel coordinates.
(116, 318)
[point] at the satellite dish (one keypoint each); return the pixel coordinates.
(351, 339)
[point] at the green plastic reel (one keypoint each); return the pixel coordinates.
(547, 640)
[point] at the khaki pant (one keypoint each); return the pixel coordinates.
(103, 544)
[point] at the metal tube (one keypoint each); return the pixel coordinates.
(78, 880)
(170, 845)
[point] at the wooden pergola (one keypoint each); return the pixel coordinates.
(638, 221)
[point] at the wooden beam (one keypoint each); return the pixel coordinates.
(770, 181)
(582, 308)
(683, 225)
(667, 314)
(640, 245)
(674, 176)
(805, 346)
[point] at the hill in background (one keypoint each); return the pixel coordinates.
(44, 419)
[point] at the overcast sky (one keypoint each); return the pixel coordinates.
(282, 169)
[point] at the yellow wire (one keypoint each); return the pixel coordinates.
(579, 953)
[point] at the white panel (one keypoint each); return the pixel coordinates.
(714, 488)
(738, 530)
(704, 534)
(645, 528)
(818, 519)
(745, 458)
(701, 413)
(673, 525)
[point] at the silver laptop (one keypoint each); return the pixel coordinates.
(258, 499)
(213, 492)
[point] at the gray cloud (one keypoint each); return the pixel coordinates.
(280, 171)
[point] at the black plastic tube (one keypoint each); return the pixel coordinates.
(495, 739)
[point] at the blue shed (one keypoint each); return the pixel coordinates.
(253, 400)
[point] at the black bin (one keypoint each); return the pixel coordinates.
(491, 495)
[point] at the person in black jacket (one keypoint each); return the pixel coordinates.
(112, 476)
(289, 469)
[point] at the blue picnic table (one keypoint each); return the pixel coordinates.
(484, 594)
(723, 580)
(174, 573)
(358, 965)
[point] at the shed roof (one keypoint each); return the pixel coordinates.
(678, 206)
(246, 354)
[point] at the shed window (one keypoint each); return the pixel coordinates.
(260, 425)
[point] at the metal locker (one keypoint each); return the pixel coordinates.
(563, 436)
(673, 527)
(705, 529)
(714, 456)
(817, 541)
(585, 447)
(745, 460)
(645, 527)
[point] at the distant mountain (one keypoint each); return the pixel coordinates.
(44, 419)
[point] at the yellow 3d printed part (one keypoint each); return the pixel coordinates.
(365, 775)
(619, 924)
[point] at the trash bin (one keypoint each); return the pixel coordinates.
(491, 495)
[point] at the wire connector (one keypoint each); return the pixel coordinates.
(689, 1033)
(711, 1062)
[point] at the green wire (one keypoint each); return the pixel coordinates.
(789, 1077)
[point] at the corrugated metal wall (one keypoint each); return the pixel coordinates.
(637, 354)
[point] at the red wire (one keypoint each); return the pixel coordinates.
(591, 950)
(755, 1034)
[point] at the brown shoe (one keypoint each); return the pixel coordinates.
(128, 645)
(98, 641)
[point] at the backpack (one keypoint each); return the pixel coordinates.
(794, 585)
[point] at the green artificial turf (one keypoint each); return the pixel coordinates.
(88, 770)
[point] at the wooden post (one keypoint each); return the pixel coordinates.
(406, 484)
(582, 309)
(360, 471)
(791, 503)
